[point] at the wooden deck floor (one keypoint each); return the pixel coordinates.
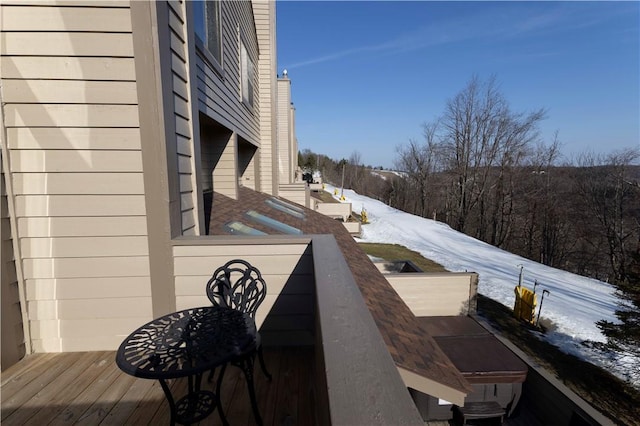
(87, 388)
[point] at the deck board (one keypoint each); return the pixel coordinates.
(87, 388)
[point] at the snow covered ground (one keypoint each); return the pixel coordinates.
(574, 303)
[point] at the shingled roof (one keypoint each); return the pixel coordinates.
(409, 343)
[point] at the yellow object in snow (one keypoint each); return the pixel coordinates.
(335, 191)
(525, 306)
(363, 216)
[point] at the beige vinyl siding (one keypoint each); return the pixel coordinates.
(184, 138)
(264, 15)
(299, 193)
(284, 131)
(219, 96)
(288, 310)
(434, 294)
(71, 116)
(225, 172)
(13, 346)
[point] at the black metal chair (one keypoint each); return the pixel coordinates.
(239, 285)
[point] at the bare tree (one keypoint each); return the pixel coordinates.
(480, 135)
(606, 194)
(419, 161)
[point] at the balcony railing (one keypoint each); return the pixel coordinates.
(334, 369)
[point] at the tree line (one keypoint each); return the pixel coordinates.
(482, 169)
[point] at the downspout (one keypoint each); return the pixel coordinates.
(17, 254)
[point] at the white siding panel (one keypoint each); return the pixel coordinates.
(186, 302)
(78, 183)
(82, 288)
(86, 327)
(188, 220)
(73, 138)
(185, 183)
(24, 18)
(67, 44)
(179, 67)
(186, 201)
(71, 117)
(184, 146)
(76, 161)
(276, 283)
(47, 115)
(79, 205)
(88, 267)
(67, 68)
(180, 87)
(70, 91)
(266, 265)
(184, 164)
(183, 127)
(90, 309)
(181, 107)
(30, 227)
(176, 7)
(83, 247)
(76, 3)
(239, 250)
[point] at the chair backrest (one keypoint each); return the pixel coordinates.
(237, 285)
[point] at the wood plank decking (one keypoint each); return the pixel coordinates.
(87, 388)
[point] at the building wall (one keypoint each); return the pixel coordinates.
(218, 91)
(287, 313)
(73, 145)
(182, 140)
(284, 130)
(265, 18)
(13, 339)
(434, 294)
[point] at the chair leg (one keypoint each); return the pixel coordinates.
(246, 364)
(223, 418)
(262, 364)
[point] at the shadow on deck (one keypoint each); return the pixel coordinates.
(88, 388)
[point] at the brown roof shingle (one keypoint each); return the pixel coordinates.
(408, 341)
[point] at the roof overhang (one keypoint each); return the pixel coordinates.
(431, 387)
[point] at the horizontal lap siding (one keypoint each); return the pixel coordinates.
(286, 315)
(71, 116)
(182, 113)
(264, 12)
(433, 296)
(13, 345)
(283, 136)
(219, 96)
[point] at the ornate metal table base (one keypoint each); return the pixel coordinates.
(186, 344)
(195, 405)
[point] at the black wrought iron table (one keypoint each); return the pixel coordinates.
(187, 344)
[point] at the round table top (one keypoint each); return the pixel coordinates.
(187, 342)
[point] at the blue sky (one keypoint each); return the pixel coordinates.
(366, 75)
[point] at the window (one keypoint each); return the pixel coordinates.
(272, 223)
(208, 26)
(235, 227)
(285, 207)
(246, 72)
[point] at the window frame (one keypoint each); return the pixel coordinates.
(247, 76)
(202, 29)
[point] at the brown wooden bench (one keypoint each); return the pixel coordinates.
(479, 410)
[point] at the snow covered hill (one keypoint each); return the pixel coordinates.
(574, 304)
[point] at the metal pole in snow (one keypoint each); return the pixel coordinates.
(342, 186)
(521, 275)
(540, 310)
